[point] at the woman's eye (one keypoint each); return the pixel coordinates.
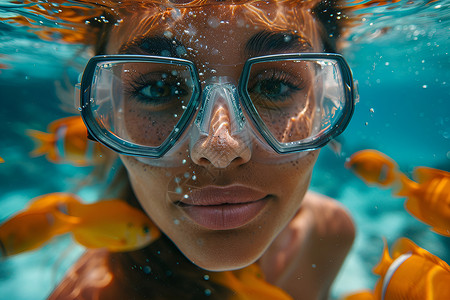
(159, 90)
(272, 88)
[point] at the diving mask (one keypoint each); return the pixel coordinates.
(143, 105)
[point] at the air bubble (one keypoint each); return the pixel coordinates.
(178, 190)
(168, 34)
(208, 292)
(186, 196)
(213, 22)
(183, 161)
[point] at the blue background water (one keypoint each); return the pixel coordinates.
(404, 111)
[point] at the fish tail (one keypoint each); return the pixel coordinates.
(404, 186)
(44, 144)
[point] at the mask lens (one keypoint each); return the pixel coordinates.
(298, 100)
(140, 102)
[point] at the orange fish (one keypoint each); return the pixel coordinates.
(67, 142)
(412, 273)
(249, 284)
(427, 198)
(29, 230)
(111, 224)
(373, 167)
(1, 160)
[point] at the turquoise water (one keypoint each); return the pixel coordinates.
(398, 54)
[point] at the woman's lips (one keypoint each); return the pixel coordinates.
(221, 208)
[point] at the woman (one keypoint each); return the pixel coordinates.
(218, 122)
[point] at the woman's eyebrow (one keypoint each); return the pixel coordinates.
(153, 45)
(267, 42)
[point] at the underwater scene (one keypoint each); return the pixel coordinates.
(399, 54)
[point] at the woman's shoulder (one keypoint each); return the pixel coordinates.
(331, 218)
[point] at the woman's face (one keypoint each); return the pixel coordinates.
(221, 198)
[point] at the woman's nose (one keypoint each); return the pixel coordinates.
(221, 147)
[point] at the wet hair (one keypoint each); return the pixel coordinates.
(331, 14)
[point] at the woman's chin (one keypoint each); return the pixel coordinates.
(216, 265)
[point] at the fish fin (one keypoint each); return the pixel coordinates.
(384, 262)
(45, 144)
(444, 232)
(424, 174)
(404, 245)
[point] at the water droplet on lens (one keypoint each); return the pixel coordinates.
(168, 34)
(213, 22)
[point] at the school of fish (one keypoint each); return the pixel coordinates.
(427, 196)
(411, 272)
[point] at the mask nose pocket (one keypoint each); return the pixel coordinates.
(220, 96)
(219, 122)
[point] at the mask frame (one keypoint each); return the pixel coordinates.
(119, 145)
